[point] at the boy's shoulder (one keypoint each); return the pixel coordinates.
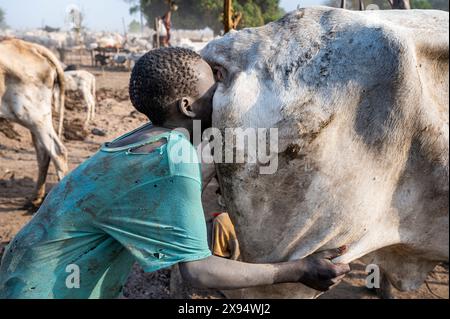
(182, 157)
(164, 155)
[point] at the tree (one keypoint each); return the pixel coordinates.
(421, 4)
(134, 26)
(75, 19)
(135, 7)
(2, 19)
(270, 9)
(430, 4)
(252, 15)
(197, 14)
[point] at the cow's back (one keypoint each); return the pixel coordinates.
(26, 62)
(426, 35)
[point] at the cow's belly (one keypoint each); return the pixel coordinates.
(290, 215)
(298, 211)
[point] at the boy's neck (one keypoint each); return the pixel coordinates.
(183, 126)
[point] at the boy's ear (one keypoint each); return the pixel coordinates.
(185, 106)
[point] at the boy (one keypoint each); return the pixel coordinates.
(132, 201)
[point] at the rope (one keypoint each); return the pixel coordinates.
(432, 292)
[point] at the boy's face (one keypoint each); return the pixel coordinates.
(201, 104)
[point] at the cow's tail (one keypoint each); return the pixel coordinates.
(60, 81)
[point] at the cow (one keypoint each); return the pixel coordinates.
(31, 83)
(83, 82)
(360, 101)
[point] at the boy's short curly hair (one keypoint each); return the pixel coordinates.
(160, 78)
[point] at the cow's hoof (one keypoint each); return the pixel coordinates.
(32, 206)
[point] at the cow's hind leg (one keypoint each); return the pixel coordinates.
(48, 146)
(31, 107)
(54, 148)
(43, 163)
(90, 104)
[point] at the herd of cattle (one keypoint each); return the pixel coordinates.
(134, 44)
(360, 100)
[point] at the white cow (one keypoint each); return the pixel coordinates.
(84, 82)
(361, 103)
(31, 81)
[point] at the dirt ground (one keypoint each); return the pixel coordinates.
(115, 116)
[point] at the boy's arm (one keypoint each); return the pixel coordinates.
(316, 271)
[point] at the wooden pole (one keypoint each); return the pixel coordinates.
(141, 18)
(343, 4)
(125, 31)
(230, 18)
(157, 33)
(228, 15)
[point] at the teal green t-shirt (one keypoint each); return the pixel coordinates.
(118, 207)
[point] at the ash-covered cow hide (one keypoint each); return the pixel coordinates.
(31, 84)
(361, 103)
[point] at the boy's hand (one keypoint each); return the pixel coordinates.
(319, 272)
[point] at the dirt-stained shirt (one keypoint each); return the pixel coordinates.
(118, 207)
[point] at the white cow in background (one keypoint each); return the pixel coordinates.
(361, 102)
(83, 82)
(31, 82)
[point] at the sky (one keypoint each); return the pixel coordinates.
(99, 14)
